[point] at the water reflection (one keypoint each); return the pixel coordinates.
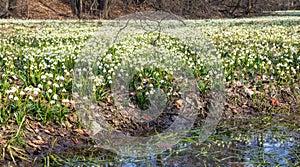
(239, 142)
(272, 149)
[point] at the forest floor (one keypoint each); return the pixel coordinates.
(61, 10)
(28, 145)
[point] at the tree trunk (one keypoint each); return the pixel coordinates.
(28, 10)
(76, 6)
(104, 7)
(8, 8)
(4, 5)
(161, 4)
(13, 7)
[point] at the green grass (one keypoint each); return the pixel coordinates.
(37, 59)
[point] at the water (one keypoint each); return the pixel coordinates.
(237, 142)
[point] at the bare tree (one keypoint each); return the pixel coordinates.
(8, 8)
(76, 6)
(100, 8)
(104, 7)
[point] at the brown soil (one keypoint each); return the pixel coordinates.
(55, 9)
(38, 140)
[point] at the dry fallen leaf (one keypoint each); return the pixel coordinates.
(47, 131)
(80, 131)
(108, 100)
(72, 104)
(34, 145)
(275, 102)
(179, 103)
(147, 117)
(38, 142)
(2, 141)
(73, 118)
(75, 140)
(51, 130)
(67, 124)
(29, 129)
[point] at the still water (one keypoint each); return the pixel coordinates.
(263, 141)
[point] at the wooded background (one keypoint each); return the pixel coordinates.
(109, 9)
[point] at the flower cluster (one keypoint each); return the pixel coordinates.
(37, 58)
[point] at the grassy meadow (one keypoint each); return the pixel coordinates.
(259, 58)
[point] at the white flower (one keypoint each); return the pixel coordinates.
(49, 91)
(50, 75)
(55, 97)
(79, 85)
(30, 98)
(52, 102)
(36, 89)
(35, 93)
(13, 90)
(16, 98)
(22, 93)
(43, 77)
(40, 86)
(10, 96)
(65, 100)
(56, 85)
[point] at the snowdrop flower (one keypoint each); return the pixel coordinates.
(56, 85)
(50, 75)
(65, 100)
(22, 93)
(40, 86)
(10, 97)
(43, 77)
(55, 97)
(49, 91)
(35, 93)
(13, 90)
